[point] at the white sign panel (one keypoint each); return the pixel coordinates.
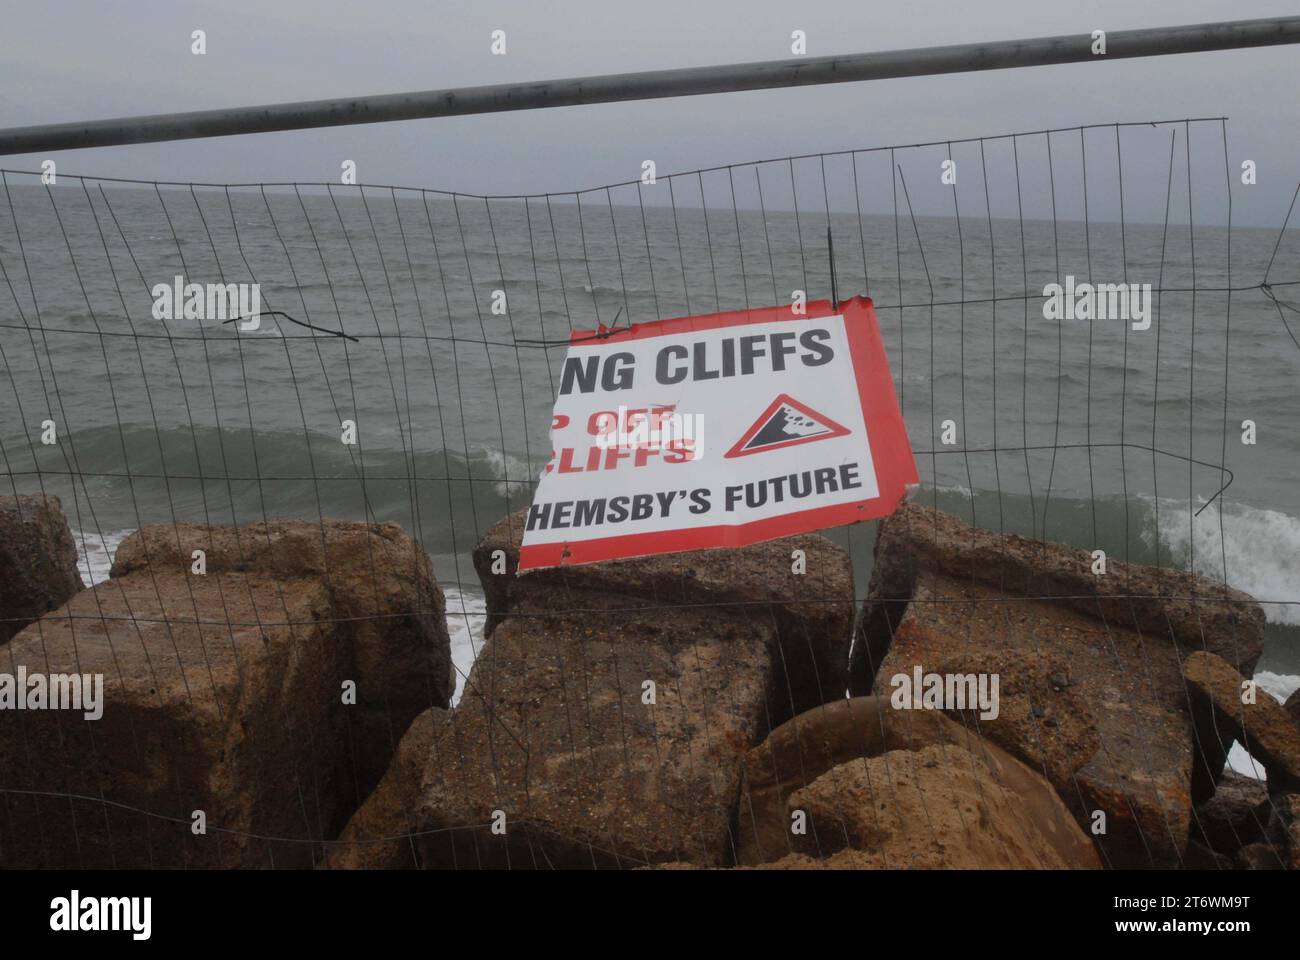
(718, 430)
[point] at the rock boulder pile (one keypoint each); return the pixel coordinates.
(256, 679)
(607, 716)
(279, 694)
(1090, 666)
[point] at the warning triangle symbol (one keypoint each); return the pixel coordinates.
(785, 423)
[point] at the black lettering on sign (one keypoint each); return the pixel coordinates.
(750, 350)
(796, 486)
(575, 514)
(539, 515)
(701, 369)
(580, 369)
(615, 373)
(562, 511)
(781, 348)
(824, 354)
(738, 356)
(589, 513)
(618, 372)
(669, 353)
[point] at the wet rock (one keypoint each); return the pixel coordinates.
(1121, 741)
(38, 561)
(846, 859)
(1234, 816)
(888, 788)
(1259, 856)
(1261, 725)
(378, 837)
(1188, 610)
(213, 690)
(388, 606)
(606, 717)
(936, 808)
(952, 599)
(812, 613)
(1283, 830)
(225, 693)
(560, 755)
(1197, 856)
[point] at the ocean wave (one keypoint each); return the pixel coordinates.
(95, 552)
(1258, 550)
(1259, 547)
(515, 474)
(466, 614)
(138, 475)
(1254, 549)
(1277, 685)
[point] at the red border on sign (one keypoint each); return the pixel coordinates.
(835, 429)
(891, 452)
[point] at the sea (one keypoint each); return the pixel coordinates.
(436, 324)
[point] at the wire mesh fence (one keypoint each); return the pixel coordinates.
(402, 369)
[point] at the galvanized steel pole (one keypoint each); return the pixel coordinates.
(693, 81)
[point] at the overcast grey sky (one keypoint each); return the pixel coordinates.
(104, 58)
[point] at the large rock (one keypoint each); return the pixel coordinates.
(1293, 707)
(1188, 610)
(935, 808)
(1260, 856)
(383, 595)
(38, 561)
(1094, 707)
(811, 613)
(890, 789)
(224, 692)
(846, 859)
(604, 721)
(1197, 856)
(1283, 829)
(1090, 687)
(1235, 816)
(379, 835)
(555, 744)
(1261, 724)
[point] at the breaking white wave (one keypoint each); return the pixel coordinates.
(95, 553)
(1279, 686)
(466, 614)
(514, 474)
(1260, 549)
(1255, 549)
